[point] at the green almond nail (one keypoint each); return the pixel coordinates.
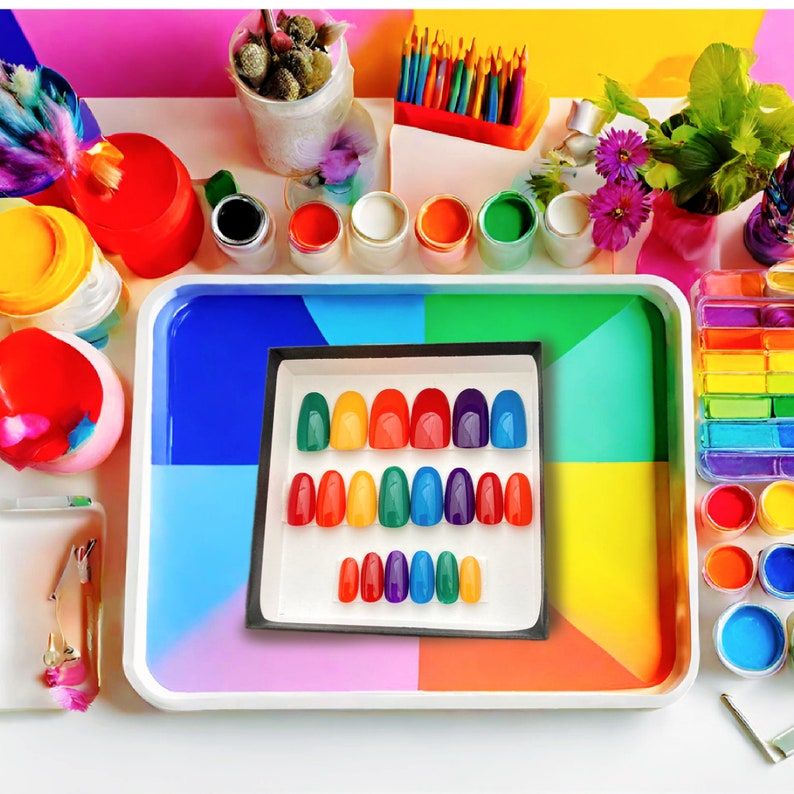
(314, 424)
(394, 503)
(447, 582)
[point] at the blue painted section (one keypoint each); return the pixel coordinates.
(14, 46)
(200, 547)
(369, 319)
(209, 370)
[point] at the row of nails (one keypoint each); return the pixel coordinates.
(428, 425)
(395, 581)
(425, 504)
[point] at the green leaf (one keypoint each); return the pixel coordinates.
(719, 85)
(545, 185)
(729, 183)
(772, 96)
(683, 133)
(744, 140)
(618, 98)
(662, 176)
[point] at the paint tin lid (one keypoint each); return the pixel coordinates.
(750, 640)
(776, 570)
(46, 254)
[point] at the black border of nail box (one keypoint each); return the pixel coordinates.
(254, 619)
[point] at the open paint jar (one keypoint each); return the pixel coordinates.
(776, 570)
(726, 511)
(316, 237)
(62, 404)
(750, 640)
(776, 508)
(378, 231)
(729, 569)
(443, 228)
(506, 226)
(53, 276)
(154, 220)
(567, 230)
(244, 230)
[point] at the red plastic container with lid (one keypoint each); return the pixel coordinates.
(154, 220)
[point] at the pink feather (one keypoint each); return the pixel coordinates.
(70, 673)
(72, 699)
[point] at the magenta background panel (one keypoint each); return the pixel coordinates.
(773, 47)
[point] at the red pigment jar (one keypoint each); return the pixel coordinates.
(727, 511)
(154, 220)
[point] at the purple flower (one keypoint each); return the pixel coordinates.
(618, 209)
(338, 165)
(354, 142)
(619, 154)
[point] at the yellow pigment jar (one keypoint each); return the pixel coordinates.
(54, 277)
(776, 508)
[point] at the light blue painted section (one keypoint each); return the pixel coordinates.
(368, 319)
(200, 546)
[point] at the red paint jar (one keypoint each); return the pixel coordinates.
(726, 511)
(154, 220)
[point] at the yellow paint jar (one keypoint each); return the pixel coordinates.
(776, 508)
(54, 277)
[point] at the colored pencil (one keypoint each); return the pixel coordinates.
(475, 109)
(424, 63)
(455, 80)
(492, 113)
(467, 79)
(518, 93)
(405, 70)
(430, 80)
(502, 65)
(441, 77)
(414, 68)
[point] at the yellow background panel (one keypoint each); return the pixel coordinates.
(652, 51)
(608, 558)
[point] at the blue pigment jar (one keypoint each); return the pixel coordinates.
(776, 570)
(750, 640)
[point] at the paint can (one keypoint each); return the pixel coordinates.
(54, 277)
(506, 226)
(726, 511)
(316, 237)
(244, 230)
(567, 230)
(443, 228)
(729, 569)
(776, 508)
(378, 231)
(153, 220)
(776, 570)
(750, 640)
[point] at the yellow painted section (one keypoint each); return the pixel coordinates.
(652, 51)
(781, 362)
(349, 421)
(734, 362)
(780, 383)
(470, 580)
(608, 555)
(740, 383)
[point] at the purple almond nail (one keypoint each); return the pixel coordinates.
(470, 419)
(459, 498)
(395, 586)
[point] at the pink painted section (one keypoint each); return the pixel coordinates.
(222, 656)
(183, 53)
(773, 47)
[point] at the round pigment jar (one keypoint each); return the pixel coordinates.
(54, 277)
(316, 237)
(726, 511)
(750, 640)
(378, 231)
(443, 228)
(729, 569)
(776, 508)
(776, 570)
(153, 220)
(244, 230)
(567, 230)
(506, 226)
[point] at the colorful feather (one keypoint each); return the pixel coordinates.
(40, 134)
(71, 699)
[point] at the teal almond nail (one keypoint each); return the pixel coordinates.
(394, 504)
(447, 582)
(314, 424)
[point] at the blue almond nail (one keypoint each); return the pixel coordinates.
(395, 580)
(422, 578)
(470, 420)
(427, 500)
(508, 421)
(459, 498)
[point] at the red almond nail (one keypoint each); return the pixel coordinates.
(348, 580)
(301, 502)
(331, 503)
(518, 500)
(372, 577)
(430, 420)
(388, 420)
(490, 507)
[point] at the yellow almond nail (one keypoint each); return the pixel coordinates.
(349, 422)
(362, 500)
(470, 580)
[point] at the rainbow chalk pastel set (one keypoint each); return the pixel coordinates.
(421, 400)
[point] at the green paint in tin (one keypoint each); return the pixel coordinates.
(509, 217)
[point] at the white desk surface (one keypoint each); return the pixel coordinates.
(122, 744)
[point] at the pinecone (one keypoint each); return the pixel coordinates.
(321, 71)
(282, 85)
(300, 29)
(300, 65)
(252, 62)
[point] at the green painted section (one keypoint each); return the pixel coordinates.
(604, 379)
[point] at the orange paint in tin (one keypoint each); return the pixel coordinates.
(443, 222)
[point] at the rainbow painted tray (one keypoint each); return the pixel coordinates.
(618, 481)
